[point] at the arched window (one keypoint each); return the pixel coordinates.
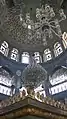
(59, 75)
(58, 88)
(5, 82)
(5, 90)
(4, 48)
(58, 80)
(47, 55)
(25, 58)
(14, 54)
(57, 49)
(37, 57)
(5, 78)
(64, 39)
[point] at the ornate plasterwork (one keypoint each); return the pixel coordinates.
(33, 108)
(14, 28)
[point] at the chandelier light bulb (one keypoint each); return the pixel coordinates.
(52, 13)
(47, 8)
(21, 19)
(27, 18)
(29, 26)
(38, 15)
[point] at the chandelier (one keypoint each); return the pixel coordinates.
(45, 25)
(22, 25)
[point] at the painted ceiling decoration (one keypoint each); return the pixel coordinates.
(34, 26)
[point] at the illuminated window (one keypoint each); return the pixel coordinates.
(14, 54)
(4, 48)
(59, 76)
(25, 58)
(5, 81)
(57, 49)
(47, 55)
(58, 79)
(5, 90)
(64, 39)
(37, 57)
(59, 88)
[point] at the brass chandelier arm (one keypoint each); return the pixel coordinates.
(55, 33)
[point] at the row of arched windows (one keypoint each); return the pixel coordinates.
(58, 80)
(5, 90)
(58, 88)
(14, 55)
(6, 82)
(47, 54)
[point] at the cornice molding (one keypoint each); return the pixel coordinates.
(32, 107)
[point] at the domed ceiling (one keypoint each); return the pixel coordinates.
(11, 26)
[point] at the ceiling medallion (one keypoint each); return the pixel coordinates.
(18, 73)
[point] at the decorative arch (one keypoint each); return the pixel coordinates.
(55, 69)
(8, 70)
